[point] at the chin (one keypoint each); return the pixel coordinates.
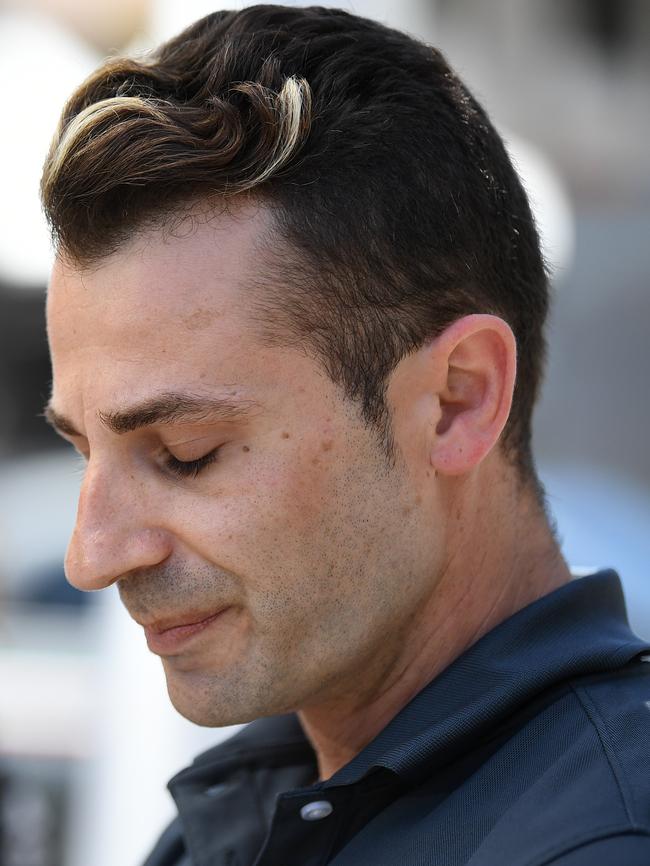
(211, 702)
(205, 718)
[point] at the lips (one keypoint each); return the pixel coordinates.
(160, 626)
(168, 636)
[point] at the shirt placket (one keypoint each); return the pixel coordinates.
(305, 828)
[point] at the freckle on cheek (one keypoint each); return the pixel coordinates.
(327, 444)
(285, 435)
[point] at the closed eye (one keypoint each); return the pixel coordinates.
(190, 468)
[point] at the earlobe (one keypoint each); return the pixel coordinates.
(479, 352)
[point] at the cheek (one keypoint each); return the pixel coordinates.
(303, 479)
(265, 515)
(294, 499)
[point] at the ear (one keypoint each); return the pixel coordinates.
(479, 355)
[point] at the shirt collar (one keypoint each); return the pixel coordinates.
(579, 629)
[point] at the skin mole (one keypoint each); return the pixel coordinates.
(199, 319)
(285, 435)
(245, 448)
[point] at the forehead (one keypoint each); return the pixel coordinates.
(172, 305)
(195, 259)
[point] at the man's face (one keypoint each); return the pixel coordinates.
(246, 514)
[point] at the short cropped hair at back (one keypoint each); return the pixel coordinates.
(396, 207)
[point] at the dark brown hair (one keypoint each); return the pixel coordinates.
(394, 198)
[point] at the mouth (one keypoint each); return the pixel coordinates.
(168, 636)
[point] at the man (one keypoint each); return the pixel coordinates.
(296, 322)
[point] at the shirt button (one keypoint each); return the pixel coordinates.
(316, 810)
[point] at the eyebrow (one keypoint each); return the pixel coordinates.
(171, 408)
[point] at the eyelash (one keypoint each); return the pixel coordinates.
(190, 468)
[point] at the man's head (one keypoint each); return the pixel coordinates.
(290, 235)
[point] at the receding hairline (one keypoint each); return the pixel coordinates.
(179, 222)
(263, 281)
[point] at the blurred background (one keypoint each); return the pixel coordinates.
(87, 737)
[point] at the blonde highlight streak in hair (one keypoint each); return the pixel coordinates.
(293, 105)
(71, 135)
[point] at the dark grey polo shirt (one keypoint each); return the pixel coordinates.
(531, 749)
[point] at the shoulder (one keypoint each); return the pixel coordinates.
(573, 781)
(631, 849)
(617, 707)
(597, 787)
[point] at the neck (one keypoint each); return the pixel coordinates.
(504, 557)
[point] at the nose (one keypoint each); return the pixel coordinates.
(115, 531)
